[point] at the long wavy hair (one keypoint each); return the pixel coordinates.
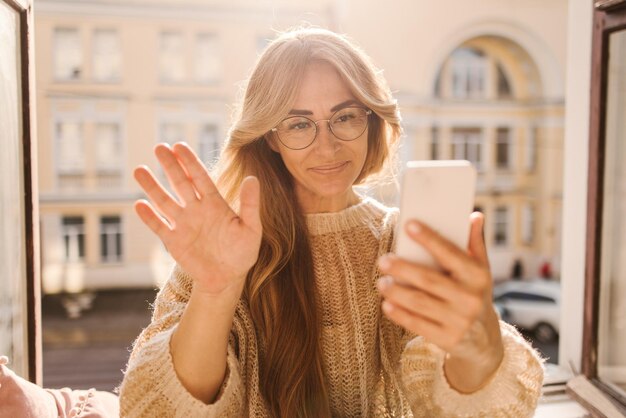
(280, 287)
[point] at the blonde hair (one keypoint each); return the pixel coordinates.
(280, 290)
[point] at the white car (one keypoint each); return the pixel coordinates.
(533, 305)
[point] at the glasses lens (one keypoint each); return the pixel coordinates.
(296, 132)
(349, 123)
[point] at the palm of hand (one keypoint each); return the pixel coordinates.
(213, 243)
(202, 233)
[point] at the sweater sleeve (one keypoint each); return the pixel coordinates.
(150, 383)
(513, 390)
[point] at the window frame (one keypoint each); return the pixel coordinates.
(32, 326)
(609, 16)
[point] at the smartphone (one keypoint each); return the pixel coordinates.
(441, 195)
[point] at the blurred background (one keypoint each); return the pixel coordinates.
(480, 80)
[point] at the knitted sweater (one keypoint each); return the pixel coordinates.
(373, 368)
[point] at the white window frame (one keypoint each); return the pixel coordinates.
(175, 55)
(202, 154)
(56, 55)
(59, 170)
(111, 231)
(72, 232)
(508, 142)
(212, 74)
(468, 74)
(501, 218)
(116, 56)
(467, 144)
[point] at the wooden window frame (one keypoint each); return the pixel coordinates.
(609, 16)
(24, 9)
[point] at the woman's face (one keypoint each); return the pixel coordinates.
(325, 171)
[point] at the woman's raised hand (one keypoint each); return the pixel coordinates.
(208, 240)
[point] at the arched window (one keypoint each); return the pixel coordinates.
(471, 73)
(468, 71)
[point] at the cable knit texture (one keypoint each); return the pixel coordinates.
(373, 368)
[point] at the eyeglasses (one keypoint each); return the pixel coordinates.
(299, 132)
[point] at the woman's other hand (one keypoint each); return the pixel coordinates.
(451, 308)
(212, 243)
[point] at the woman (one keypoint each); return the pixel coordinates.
(274, 306)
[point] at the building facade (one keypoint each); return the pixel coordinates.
(484, 84)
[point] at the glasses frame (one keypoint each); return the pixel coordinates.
(368, 112)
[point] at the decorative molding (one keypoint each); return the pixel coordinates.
(176, 10)
(82, 198)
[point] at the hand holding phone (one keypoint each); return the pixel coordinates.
(439, 194)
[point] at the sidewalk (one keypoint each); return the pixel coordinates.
(92, 350)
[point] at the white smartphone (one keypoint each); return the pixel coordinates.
(441, 195)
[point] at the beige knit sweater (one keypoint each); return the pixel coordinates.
(373, 368)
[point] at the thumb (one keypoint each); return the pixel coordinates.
(477, 246)
(250, 203)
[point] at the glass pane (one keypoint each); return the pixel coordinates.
(67, 54)
(108, 147)
(207, 58)
(107, 59)
(12, 240)
(172, 57)
(612, 323)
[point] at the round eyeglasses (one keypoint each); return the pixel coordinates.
(299, 132)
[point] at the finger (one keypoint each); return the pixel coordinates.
(477, 246)
(197, 171)
(419, 325)
(163, 201)
(250, 203)
(418, 276)
(413, 300)
(175, 173)
(156, 223)
(445, 253)
(459, 298)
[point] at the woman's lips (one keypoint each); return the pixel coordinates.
(330, 168)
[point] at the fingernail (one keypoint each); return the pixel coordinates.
(384, 282)
(413, 227)
(384, 263)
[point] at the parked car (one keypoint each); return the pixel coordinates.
(530, 304)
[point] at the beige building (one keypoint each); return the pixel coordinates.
(113, 79)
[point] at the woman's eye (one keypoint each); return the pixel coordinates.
(344, 118)
(298, 126)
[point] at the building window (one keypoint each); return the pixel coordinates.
(73, 232)
(172, 132)
(108, 148)
(172, 57)
(68, 58)
(208, 58)
(504, 87)
(70, 154)
(503, 148)
(262, 42)
(434, 143)
(467, 145)
(501, 225)
(468, 73)
(107, 57)
(209, 144)
(110, 239)
(528, 224)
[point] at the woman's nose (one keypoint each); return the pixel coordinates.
(327, 142)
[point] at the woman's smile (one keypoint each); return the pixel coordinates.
(332, 168)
